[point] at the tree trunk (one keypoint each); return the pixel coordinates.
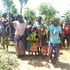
(21, 9)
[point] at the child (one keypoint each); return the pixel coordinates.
(27, 33)
(44, 49)
(39, 35)
(33, 42)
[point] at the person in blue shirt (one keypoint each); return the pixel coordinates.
(54, 33)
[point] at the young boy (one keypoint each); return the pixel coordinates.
(54, 32)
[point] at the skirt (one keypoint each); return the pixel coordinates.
(34, 47)
(44, 50)
(20, 45)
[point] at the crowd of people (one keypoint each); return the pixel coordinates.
(37, 38)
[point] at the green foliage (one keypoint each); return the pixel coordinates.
(8, 3)
(29, 14)
(67, 13)
(47, 10)
(14, 11)
(10, 7)
(7, 61)
(67, 16)
(23, 1)
(22, 4)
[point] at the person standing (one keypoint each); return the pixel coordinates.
(38, 26)
(54, 35)
(20, 27)
(65, 35)
(5, 32)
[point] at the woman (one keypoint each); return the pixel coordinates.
(20, 27)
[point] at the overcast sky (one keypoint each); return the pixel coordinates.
(60, 5)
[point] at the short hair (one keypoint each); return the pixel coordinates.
(4, 15)
(56, 19)
(18, 16)
(39, 17)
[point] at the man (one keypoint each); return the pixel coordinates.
(54, 33)
(66, 33)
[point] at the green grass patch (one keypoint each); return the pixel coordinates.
(7, 61)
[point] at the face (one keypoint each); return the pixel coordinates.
(56, 22)
(39, 19)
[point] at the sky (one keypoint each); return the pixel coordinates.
(59, 5)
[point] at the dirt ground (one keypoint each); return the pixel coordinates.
(41, 63)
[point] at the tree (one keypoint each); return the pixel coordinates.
(47, 10)
(10, 7)
(67, 14)
(0, 13)
(22, 4)
(8, 4)
(29, 14)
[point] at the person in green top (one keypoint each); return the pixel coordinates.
(54, 33)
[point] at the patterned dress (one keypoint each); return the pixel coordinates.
(20, 45)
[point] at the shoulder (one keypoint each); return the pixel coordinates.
(59, 27)
(50, 26)
(36, 23)
(15, 22)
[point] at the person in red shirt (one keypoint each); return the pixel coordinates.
(66, 35)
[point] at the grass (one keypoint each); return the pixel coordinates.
(8, 61)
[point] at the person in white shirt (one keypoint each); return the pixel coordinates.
(20, 27)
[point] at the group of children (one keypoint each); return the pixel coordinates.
(35, 41)
(31, 39)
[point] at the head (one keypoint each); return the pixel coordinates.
(19, 18)
(4, 15)
(56, 21)
(30, 22)
(39, 19)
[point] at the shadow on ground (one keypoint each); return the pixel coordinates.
(63, 66)
(41, 61)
